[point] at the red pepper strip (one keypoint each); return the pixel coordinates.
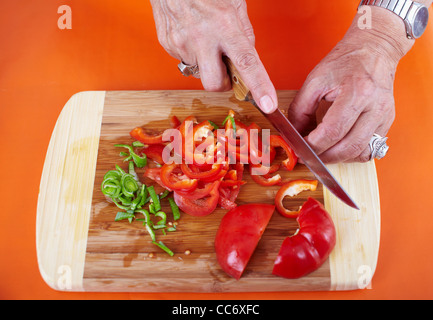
(309, 248)
(232, 183)
(174, 122)
(197, 174)
(202, 130)
(229, 194)
(200, 207)
(256, 151)
(140, 135)
(292, 159)
(291, 189)
(199, 193)
(219, 175)
(204, 152)
(173, 181)
(154, 152)
(266, 181)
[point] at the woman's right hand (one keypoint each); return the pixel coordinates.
(200, 32)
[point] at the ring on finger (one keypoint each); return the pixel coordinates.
(189, 70)
(378, 146)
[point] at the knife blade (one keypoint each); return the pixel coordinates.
(289, 133)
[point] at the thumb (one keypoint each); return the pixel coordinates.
(302, 111)
(246, 60)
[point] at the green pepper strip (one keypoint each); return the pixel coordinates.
(163, 247)
(124, 215)
(155, 198)
(140, 162)
(174, 209)
(232, 120)
(163, 217)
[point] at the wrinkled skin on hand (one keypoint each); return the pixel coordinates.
(357, 79)
(359, 84)
(202, 31)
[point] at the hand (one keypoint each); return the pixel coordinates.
(357, 76)
(202, 31)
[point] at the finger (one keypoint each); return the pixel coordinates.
(355, 144)
(303, 107)
(246, 25)
(213, 72)
(382, 130)
(365, 156)
(336, 123)
(246, 60)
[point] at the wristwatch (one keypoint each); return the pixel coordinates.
(414, 14)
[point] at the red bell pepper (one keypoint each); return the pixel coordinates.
(229, 193)
(198, 174)
(174, 179)
(142, 136)
(291, 189)
(200, 192)
(199, 207)
(174, 122)
(238, 235)
(311, 245)
(154, 152)
(292, 159)
(261, 175)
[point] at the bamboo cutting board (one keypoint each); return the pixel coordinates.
(81, 248)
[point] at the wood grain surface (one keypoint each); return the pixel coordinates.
(119, 256)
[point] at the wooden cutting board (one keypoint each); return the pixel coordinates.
(81, 248)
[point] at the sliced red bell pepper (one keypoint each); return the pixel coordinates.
(141, 135)
(229, 194)
(220, 175)
(199, 207)
(292, 159)
(175, 180)
(200, 192)
(261, 174)
(311, 245)
(202, 130)
(291, 189)
(174, 122)
(198, 174)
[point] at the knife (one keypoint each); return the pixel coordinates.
(292, 137)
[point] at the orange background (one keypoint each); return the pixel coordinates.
(113, 46)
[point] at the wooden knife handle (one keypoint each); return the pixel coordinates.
(239, 88)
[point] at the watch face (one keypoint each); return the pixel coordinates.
(420, 23)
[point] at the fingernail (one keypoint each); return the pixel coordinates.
(266, 104)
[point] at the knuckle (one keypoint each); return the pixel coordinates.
(333, 133)
(246, 61)
(178, 40)
(364, 157)
(365, 87)
(353, 150)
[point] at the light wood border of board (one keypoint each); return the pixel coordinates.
(66, 191)
(64, 208)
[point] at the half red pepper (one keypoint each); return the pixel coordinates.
(311, 245)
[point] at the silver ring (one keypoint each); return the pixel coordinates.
(188, 70)
(378, 147)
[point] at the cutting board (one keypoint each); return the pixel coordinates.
(81, 248)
